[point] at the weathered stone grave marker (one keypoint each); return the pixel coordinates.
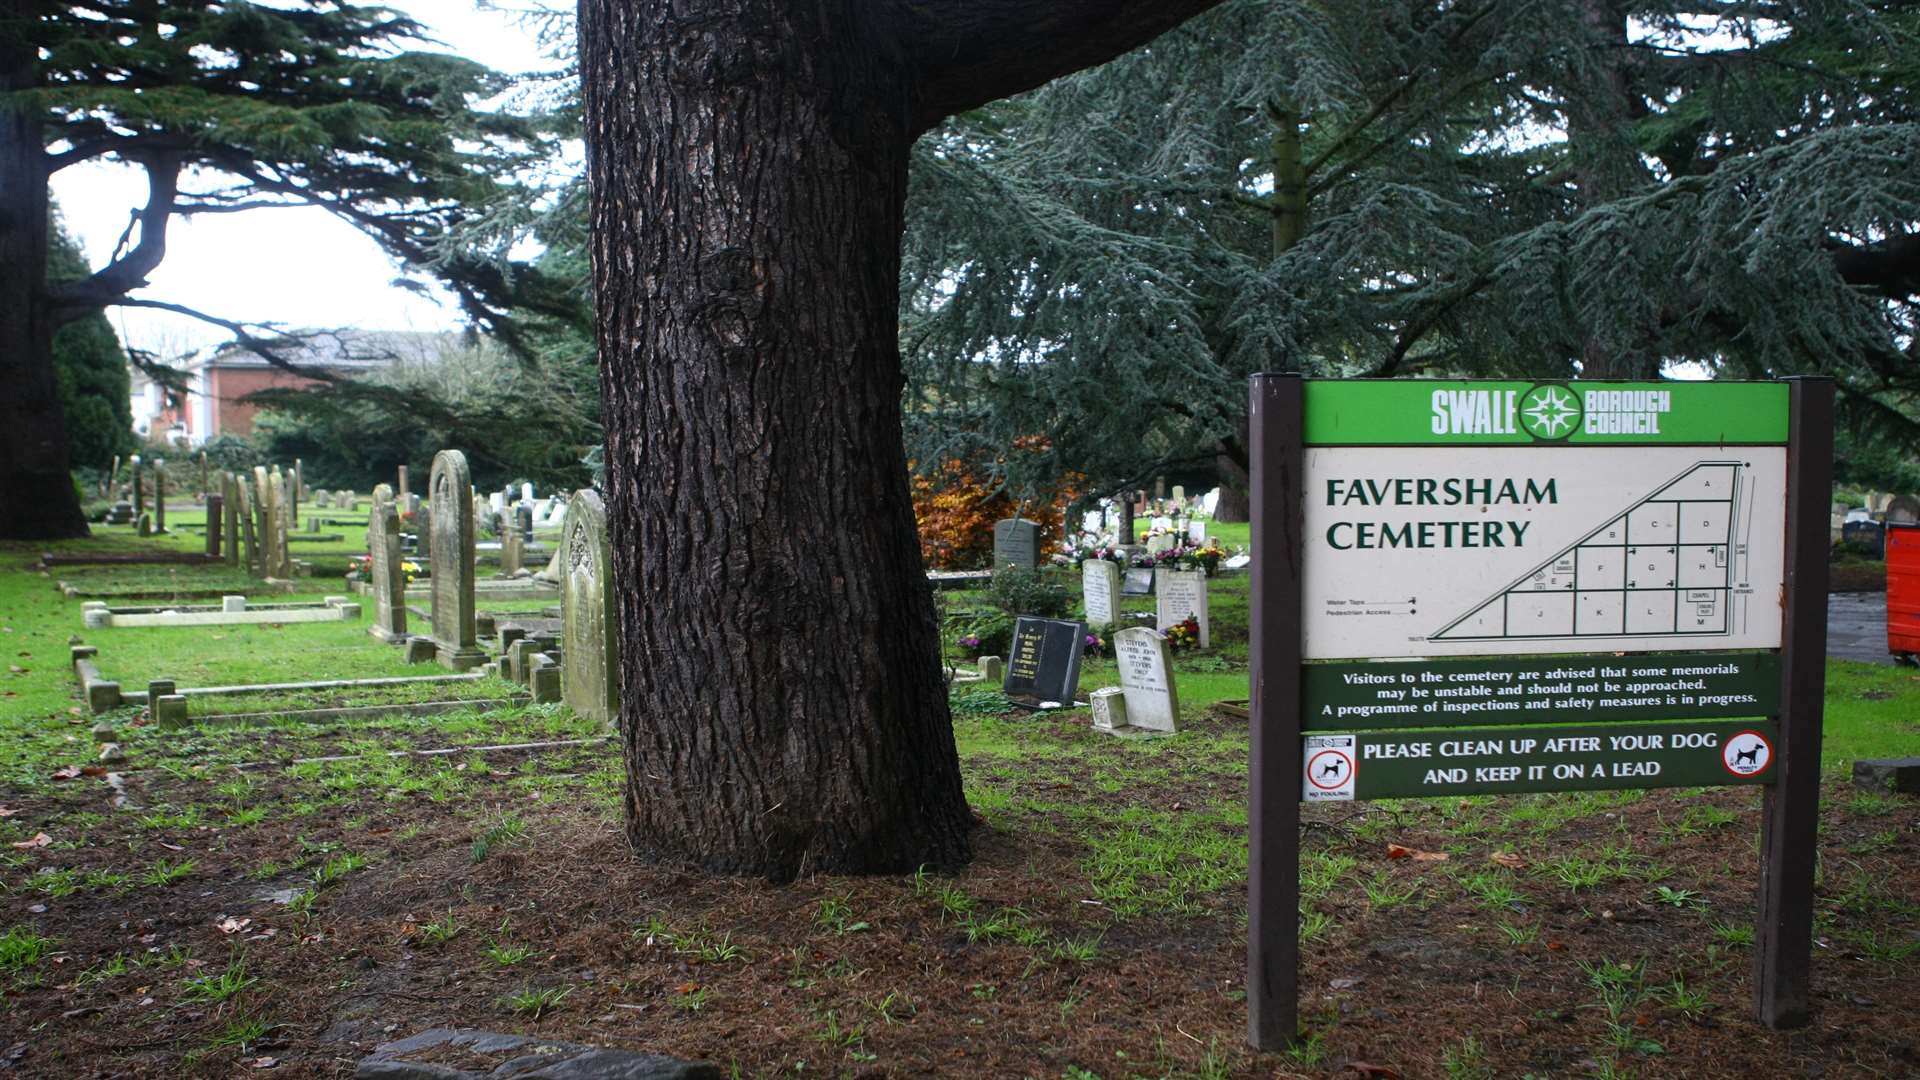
(451, 489)
(590, 677)
(1145, 660)
(389, 580)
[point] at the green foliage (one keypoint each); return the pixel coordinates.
(1017, 590)
(91, 369)
(1410, 188)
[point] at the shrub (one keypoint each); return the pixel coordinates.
(1019, 591)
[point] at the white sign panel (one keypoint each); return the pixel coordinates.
(1462, 551)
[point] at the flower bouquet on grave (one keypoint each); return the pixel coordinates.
(1079, 556)
(1184, 635)
(409, 568)
(360, 568)
(1206, 558)
(1096, 645)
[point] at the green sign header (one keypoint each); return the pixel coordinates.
(1423, 412)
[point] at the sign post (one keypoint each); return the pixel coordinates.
(1507, 587)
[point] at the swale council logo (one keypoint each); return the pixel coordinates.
(1550, 412)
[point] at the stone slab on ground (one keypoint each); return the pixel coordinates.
(447, 1054)
(1893, 776)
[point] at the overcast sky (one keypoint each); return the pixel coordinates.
(300, 267)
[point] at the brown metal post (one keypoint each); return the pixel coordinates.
(1790, 806)
(1277, 421)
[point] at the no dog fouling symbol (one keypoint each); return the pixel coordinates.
(1747, 753)
(1329, 768)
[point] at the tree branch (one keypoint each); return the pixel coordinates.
(969, 52)
(125, 273)
(243, 334)
(1891, 267)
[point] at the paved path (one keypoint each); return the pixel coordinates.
(1857, 627)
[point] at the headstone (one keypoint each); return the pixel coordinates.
(451, 490)
(1160, 542)
(145, 525)
(526, 492)
(139, 488)
(262, 532)
(1043, 665)
(233, 603)
(1138, 581)
(1870, 536)
(1903, 510)
(1196, 533)
(512, 548)
(113, 477)
(404, 495)
(1180, 593)
(216, 507)
(279, 565)
(590, 638)
(160, 497)
(299, 492)
(523, 521)
(1180, 494)
(992, 669)
(1146, 675)
(230, 494)
(389, 581)
(1016, 542)
(248, 515)
(1100, 591)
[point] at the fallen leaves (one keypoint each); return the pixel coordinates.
(1507, 859)
(231, 925)
(73, 771)
(39, 840)
(1401, 851)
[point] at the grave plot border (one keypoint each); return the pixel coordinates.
(1282, 427)
(96, 613)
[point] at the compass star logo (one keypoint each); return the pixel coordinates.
(1549, 412)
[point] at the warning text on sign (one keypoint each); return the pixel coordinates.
(1438, 693)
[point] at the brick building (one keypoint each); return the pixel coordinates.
(218, 383)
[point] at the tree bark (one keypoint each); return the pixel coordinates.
(783, 705)
(1236, 485)
(36, 485)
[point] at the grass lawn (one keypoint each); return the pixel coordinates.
(300, 892)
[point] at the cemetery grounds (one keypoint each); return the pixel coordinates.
(282, 896)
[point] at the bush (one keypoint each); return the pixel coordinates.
(1019, 591)
(990, 634)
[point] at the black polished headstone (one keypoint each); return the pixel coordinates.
(1043, 663)
(1869, 535)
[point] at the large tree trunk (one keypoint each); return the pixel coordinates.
(36, 486)
(783, 702)
(782, 698)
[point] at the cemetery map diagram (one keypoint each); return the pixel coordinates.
(1672, 564)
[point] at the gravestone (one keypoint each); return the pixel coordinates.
(1146, 675)
(262, 534)
(389, 580)
(1100, 592)
(1016, 542)
(512, 549)
(1043, 664)
(1180, 494)
(523, 521)
(590, 633)
(299, 492)
(139, 487)
(404, 498)
(230, 491)
(1870, 536)
(216, 505)
(1903, 510)
(1138, 581)
(144, 527)
(278, 523)
(1197, 533)
(1180, 593)
(1160, 542)
(451, 489)
(160, 497)
(248, 516)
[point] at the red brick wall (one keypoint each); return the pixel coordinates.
(233, 416)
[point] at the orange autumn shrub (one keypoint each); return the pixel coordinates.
(956, 507)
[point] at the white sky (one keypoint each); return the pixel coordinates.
(301, 267)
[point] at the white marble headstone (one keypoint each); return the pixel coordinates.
(1100, 592)
(1178, 594)
(1146, 675)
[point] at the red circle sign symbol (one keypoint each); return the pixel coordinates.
(1746, 754)
(1332, 766)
